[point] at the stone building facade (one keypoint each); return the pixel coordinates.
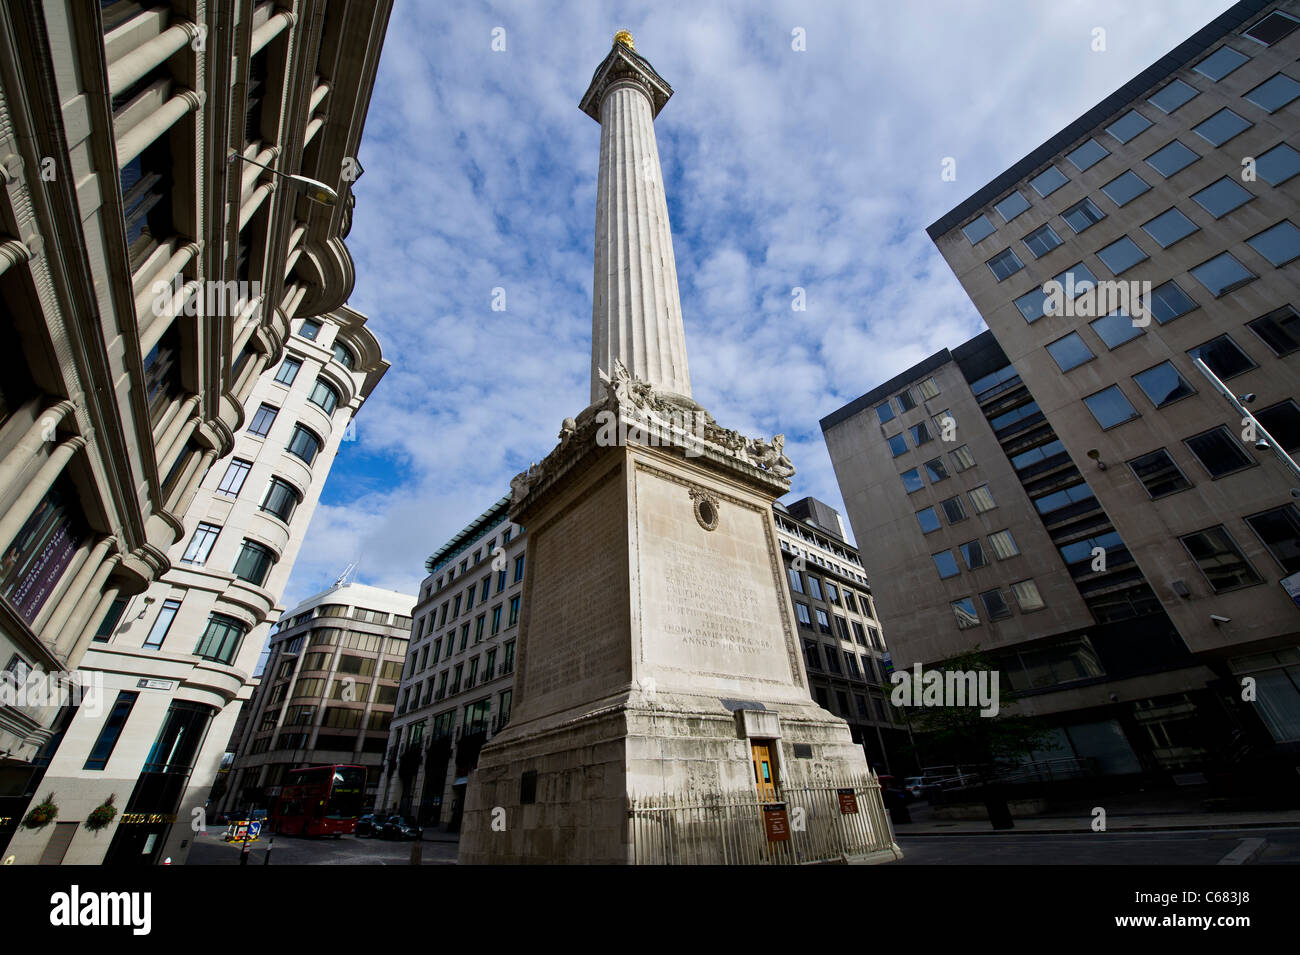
(152, 280)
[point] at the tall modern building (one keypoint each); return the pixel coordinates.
(1102, 517)
(154, 274)
(326, 695)
(458, 679)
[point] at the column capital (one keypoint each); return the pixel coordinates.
(624, 63)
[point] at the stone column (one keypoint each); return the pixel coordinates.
(636, 307)
(74, 640)
(76, 594)
(38, 432)
(40, 485)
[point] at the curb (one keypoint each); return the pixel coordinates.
(1112, 830)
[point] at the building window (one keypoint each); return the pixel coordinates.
(1163, 385)
(496, 619)
(1221, 197)
(832, 593)
(325, 395)
(309, 328)
(1128, 126)
(1110, 407)
(163, 623)
(514, 611)
(201, 544)
(1280, 244)
(953, 510)
(796, 580)
(111, 619)
(929, 389)
(1081, 215)
(111, 731)
(479, 623)
(1041, 241)
(1279, 330)
(981, 499)
(946, 564)
(920, 434)
(221, 639)
(973, 553)
(233, 481)
(928, 519)
(1168, 302)
(304, 444)
(906, 400)
(1222, 274)
(962, 458)
(1220, 560)
(280, 499)
(1159, 474)
(1048, 181)
(469, 596)
(912, 480)
(1115, 329)
(262, 421)
(814, 587)
(1277, 165)
(1218, 452)
(1003, 544)
(1274, 93)
(1121, 255)
(1005, 264)
(1169, 227)
(1027, 596)
(519, 568)
(1220, 63)
(936, 471)
(1172, 96)
(288, 371)
(1171, 159)
(977, 229)
(885, 412)
(1011, 206)
(995, 605)
(1221, 127)
(897, 445)
(1070, 351)
(964, 611)
(823, 621)
(254, 563)
(1125, 187)
(1088, 155)
(1222, 356)
(1282, 421)
(1279, 531)
(343, 356)
(802, 612)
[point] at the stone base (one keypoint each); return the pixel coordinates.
(589, 766)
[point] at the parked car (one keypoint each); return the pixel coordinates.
(368, 826)
(399, 827)
(915, 786)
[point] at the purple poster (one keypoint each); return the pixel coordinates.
(44, 572)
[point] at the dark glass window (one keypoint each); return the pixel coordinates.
(1088, 155)
(1110, 407)
(912, 480)
(973, 553)
(1005, 264)
(885, 412)
(262, 420)
(945, 563)
(1279, 330)
(1282, 421)
(897, 444)
(1082, 214)
(1048, 181)
(1125, 187)
(1218, 452)
(1223, 357)
(1171, 159)
(310, 328)
(953, 509)
(1168, 302)
(1222, 274)
(936, 471)
(1274, 93)
(1115, 329)
(1168, 227)
(928, 519)
(1128, 126)
(1279, 531)
(977, 229)
(1221, 127)
(233, 480)
(343, 355)
(1041, 241)
(1121, 255)
(281, 498)
(1279, 244)
(288, 371)
(253, 563)
(1011, 206)
(995, 604)
(1070, 351)
(1220, 560)
(1159, 474)
(1220, 63)
(1172, 96)
(1163, 384)
(162, 623)
(1221, 197)
(304, 444)
(325, 395)
(112, 730)
(1277, 165)
(220, 639)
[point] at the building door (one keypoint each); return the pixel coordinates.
(57, 847)
(764, 769)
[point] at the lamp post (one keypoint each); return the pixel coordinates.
(1265, 442)
(313, 189)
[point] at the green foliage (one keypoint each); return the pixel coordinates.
(42, 814)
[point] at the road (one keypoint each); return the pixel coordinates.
(1194, 847)
(211, 849)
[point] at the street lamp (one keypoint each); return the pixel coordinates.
(1266, 441)
(313, 189)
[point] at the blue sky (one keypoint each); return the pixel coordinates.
(817, 168)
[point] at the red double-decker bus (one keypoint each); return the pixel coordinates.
(320, 801)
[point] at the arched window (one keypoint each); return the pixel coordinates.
(325, 395)
(304, 443)
(343, 355)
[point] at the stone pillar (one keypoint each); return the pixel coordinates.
(76, 594)
(133, 142)
(636, 308)
(193, 478)
(39, 432)
(40, 485)
(74, 641)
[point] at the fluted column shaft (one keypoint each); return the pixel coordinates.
(636, 307)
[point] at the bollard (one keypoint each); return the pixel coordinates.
(417, 853)
(269, 846)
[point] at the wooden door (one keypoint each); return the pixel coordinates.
(764, 769)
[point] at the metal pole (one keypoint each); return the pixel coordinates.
(1278, 451)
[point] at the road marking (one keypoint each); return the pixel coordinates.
(1245, 853)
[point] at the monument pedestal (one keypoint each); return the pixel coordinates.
(657, 653)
